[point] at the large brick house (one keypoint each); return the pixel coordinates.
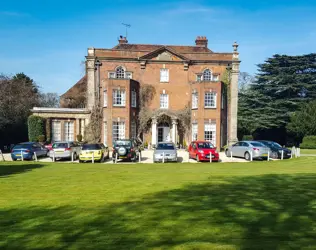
(183, 77)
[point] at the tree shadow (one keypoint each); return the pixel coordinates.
(10, 169)
(266, 212)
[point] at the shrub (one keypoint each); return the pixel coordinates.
(41, 138)
(36, 127)
(79, 138)
(309, 142)
(247, 138)
(184, 144)
(146, 144)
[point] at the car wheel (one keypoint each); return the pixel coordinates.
(197, 158)
(274, 155)
(247, 156)
(80, 161)
(14, 159)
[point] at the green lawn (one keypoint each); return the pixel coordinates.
(258, 205)
(308, 151)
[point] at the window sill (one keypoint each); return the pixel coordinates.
(163, 108)
(194, 108)
(119, 106)
(210, 107)
(164, 82)
(133, 106)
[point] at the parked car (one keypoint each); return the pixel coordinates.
(165, 151)
(201, 151)
(64, 150)
(28, 149)
(98, 151)
(126, 149)
(276, 150)
(49, 146)
(245, 148)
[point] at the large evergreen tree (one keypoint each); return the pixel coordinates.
(282, 84)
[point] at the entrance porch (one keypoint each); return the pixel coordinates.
(164, 129)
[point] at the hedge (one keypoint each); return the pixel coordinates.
(247, 138)
(36, 127)
(309, 142)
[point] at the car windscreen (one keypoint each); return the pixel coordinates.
(22, 146)
(91, 147)
(122, 143)
(257, 144)
(205, 145)
(165, 146)
(60, 145)
(276, 145)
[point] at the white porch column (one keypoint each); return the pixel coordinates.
(153, 131)
(174, 131)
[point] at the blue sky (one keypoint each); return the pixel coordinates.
(48, 40)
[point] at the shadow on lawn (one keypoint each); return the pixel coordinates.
(266, 212)
(10, 169)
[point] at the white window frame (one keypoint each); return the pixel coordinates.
(105, 98)
(195, 100)
(134, 99)
(56, 131)
(210, 99)
(120, 72)
(118, 130)
(69, 130)
(209, 74)
(194, 131)
(199, 77)
(210, 132)
(164, 101)
(119, 97)
(112, 75)
(215, 78)
(133, 130)
(164, 75)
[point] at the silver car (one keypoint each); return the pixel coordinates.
(64, 150)
(245, 149)
(165, 151)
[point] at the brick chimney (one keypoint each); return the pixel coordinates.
(201, 41)
(122, 40)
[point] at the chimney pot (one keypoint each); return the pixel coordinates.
(201, 41)
(122, 40)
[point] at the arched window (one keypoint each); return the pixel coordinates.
(120, 72)
(207, 75)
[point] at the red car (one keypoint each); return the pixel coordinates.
(201, 150)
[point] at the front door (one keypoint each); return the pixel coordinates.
(163, 134)
(160, 134)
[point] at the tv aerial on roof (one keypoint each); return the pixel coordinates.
(126, 26)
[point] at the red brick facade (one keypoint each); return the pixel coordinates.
(117, 75)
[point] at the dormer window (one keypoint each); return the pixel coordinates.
(120, 73)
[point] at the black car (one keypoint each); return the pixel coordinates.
(126, 149)
(276, 150)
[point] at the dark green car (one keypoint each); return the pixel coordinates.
(126, 149)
